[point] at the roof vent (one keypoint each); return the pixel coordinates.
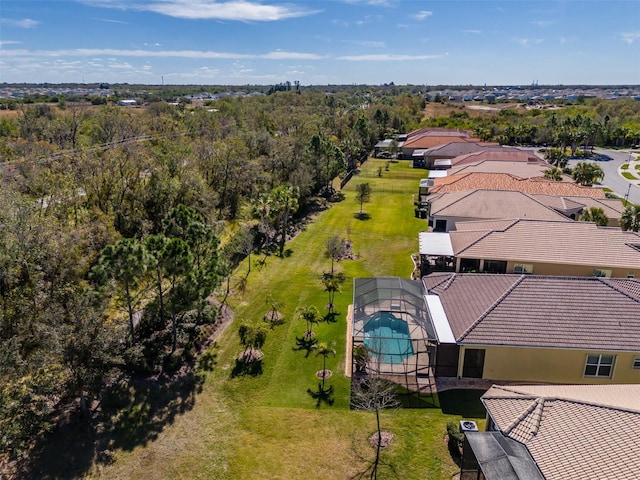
(468, 426)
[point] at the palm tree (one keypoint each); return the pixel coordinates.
(311, 315)
(595, 215)
(325, 349)
(587, 173)
(630, 219)
(553, 173)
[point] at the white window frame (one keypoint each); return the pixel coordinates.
(636, 363)
(597, 362)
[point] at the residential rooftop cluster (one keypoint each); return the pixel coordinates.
(511, 289)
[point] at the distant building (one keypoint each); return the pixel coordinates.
(127, 103)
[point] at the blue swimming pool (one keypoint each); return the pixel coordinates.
(387, 338)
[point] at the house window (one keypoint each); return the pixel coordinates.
(636, 362)
(495, 266)
(597, 272)
(599, 366)
(523, 268)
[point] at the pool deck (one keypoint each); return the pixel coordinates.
(403, 374)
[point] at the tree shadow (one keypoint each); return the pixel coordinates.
(322, 395)
(243, 368)
(207, 361)
(362, 216)
(305, 343)
(133, 413)
(331, 317)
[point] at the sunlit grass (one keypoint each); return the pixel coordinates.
(268, 426)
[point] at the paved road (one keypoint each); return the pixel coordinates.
(610, 162)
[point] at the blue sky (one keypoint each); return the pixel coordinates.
(262, 42)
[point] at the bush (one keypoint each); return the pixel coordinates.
(455, 438)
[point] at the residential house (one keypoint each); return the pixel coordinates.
(439, 157)
(529, 328)
(519, 169)
(555, 432)
(446, 209)
(429, 137)
(539, 247)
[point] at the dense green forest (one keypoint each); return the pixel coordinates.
(118, 224)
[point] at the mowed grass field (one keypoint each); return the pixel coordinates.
(268, 426)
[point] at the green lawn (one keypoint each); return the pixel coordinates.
(629, 176)
(268, 426)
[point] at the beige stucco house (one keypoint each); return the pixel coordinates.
(505, 327)
(538, 247)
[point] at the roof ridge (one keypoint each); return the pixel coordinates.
(535, 408)
(560, 397)
(607, 281)
(481, 237)
(491, 308)
(467, 193)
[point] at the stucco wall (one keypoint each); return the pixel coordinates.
(553, 365)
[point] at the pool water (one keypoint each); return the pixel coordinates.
(387, 338)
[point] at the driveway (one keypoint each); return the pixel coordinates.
(610, 162)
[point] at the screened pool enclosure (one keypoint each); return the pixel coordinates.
(390, 319)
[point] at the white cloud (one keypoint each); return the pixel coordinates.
(115, 53)
(422, 14)
(23, 23)
(108, 20)
(388, 58)
(543, 23)
(370, 43)
(475, 32)
(630, 37)
(525, 42)
(9, 42)
(374, 3)
(238, 10)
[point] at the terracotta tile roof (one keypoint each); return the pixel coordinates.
(499, 156)
(519, 169)
(454, 149)
(541, 311)
(541, 241)
(490, 204)
(439, 131)
(505, 181)
(572, 431)
(430, 141)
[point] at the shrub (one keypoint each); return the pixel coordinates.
(455, 438)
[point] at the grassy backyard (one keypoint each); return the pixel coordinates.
(267, 426)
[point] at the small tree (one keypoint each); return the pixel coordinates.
(556, 157)
(630, 219)
(361, 358)
(324, 349)
(363, 194)
(595, 215)
(587, 173)
(273, 317)
(553, 173)
(252, 338)
(374, 394)
(333, 249)
(332, 283)
(311, 316)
